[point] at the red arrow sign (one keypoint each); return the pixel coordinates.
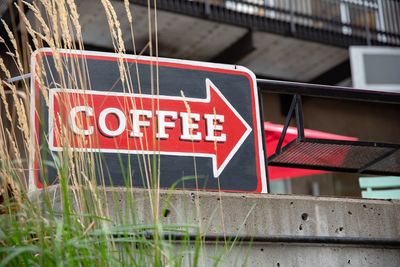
(98, 121)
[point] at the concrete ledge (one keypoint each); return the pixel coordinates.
(273, 230)
(257, 215)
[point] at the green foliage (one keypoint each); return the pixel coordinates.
(35, 236)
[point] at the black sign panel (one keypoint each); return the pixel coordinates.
(125, 120)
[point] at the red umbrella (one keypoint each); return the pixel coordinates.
(273, 132)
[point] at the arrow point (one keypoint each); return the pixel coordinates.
(234, 126)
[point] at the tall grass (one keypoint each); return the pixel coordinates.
(79, 222)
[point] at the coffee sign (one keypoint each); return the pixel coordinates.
(203, 122)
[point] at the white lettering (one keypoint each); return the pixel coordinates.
(141, 118)
(162, 124)
(137, 123)
(121, 120)
(72, 120)
(212, 127)
(188, 126)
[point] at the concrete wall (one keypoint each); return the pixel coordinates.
(264, 216)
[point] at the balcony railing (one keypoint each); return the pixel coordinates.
(336, 22)
(372, 20)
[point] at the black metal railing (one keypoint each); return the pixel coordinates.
(359, 156)
(335, 22)
(372, 20)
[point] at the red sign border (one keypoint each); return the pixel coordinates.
(34, 181)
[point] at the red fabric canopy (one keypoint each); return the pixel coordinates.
(272, 134)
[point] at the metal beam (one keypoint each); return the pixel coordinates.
(300, 239)
(237, 50)
(335, 75)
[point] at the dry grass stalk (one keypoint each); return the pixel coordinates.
(57, 26)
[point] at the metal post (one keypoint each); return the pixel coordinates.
(19, 78)
(207, 8)
(286, 125)
(367, 29)
(292, 24)
(299, 118)
(264, 143)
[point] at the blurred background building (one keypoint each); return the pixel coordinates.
(291, 40)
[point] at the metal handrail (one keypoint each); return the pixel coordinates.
(325, 91)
